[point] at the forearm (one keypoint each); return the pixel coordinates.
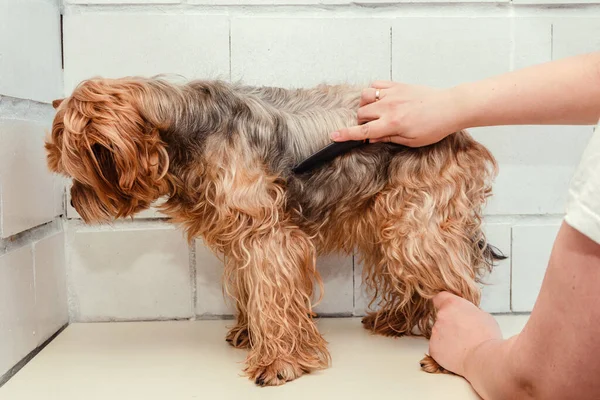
(563, 92)
(492, 372)
(556, 354)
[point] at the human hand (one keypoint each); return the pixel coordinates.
(404, 114)
(460, 328)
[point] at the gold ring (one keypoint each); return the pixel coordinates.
(377, 93)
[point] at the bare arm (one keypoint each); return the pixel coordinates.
(557, 356)
(563, 92)
(566, 91)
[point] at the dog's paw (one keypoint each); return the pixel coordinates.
(381, 324)
(286, 368)
(431, 366)
(368, 321)
(238, 337)
(278, 373)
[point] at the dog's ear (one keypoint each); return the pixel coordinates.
(56, 103)
(108, 145)
(131, 160)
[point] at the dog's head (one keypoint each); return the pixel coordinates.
(105, 137)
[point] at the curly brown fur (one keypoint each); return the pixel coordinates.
(221, 155)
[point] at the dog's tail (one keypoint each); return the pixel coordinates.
(491, 253)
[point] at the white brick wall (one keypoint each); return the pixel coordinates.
(123, 1)
(210, 299)
(30, 64)
(336, 272)
(536, 164)
(297, 52)
(128, 273)
(444, 52)
(50, 284)
(17, 307)
(576, 35)
(27, 189)
(194, 46)
(33, 302)
(532, 244)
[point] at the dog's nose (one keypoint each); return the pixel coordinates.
(72, 203)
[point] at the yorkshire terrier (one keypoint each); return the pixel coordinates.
(221, 156)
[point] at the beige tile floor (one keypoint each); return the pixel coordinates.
(191, 360)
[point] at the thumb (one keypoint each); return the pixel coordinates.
(442, 298)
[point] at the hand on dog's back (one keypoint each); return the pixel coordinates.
(409, 115)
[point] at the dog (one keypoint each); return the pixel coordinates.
(221, 156)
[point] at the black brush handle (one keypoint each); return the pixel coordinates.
(326, 154)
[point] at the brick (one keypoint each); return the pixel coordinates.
(123, 1)
(50, 285)
(318, 2)
(303, 52)
(336, 271)
(444, 52)
(531, 181)
(261, 2)
(278, 2)
(533, 41)
(59, 196)
(361, 297)
(256, 2)
(17, 307)
(532, 245)
(573, 36)
(30, 58)
(556, 2)
(26, 185)
(129, 273)
(532, 190)
(210, 299)
(193, 46)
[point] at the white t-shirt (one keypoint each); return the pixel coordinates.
(583, 204)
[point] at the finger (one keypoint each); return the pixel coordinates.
(370, 130)
(393, 139)
(368, 113)
(385, 139)
(441, 299)
(383, 84)
(369, 96)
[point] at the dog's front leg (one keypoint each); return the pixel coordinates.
(276, 268)
(270, 267)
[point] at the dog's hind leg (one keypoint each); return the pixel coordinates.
(429, 237)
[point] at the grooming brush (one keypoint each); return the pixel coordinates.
(326, 154)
